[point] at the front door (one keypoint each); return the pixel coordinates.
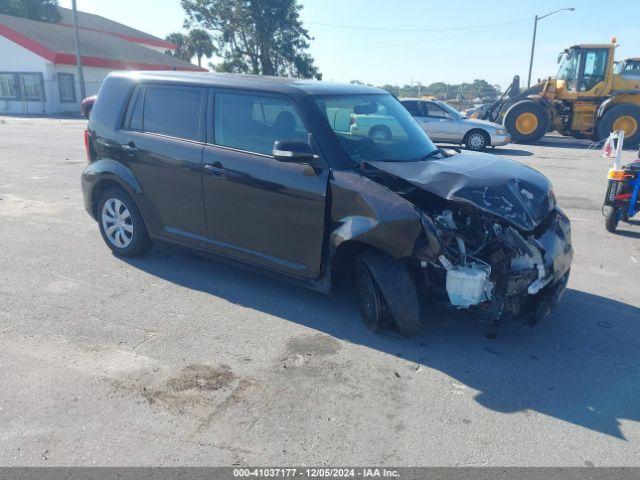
(260, 210)
(162, 144)
(437, 123)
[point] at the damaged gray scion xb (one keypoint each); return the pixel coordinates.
(265, 171)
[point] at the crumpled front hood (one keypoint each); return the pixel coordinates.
(510, 190)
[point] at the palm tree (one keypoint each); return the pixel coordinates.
(184, 50)
(201, 44)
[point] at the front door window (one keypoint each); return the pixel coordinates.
(595, 68)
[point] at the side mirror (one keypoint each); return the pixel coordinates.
(292, 151)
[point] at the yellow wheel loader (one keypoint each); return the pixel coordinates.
(591, 96)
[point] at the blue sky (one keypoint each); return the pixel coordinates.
(451, 52)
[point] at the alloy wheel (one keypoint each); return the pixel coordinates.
(117, 223)
(476, 141)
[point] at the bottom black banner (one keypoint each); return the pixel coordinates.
(404, 473)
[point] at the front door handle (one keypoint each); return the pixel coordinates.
(215, 169)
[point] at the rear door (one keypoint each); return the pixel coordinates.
(162, 143)
(260, 210)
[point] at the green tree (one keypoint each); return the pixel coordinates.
(201, 44)
(181, 41)
(42, 10)
(392, 89)
(256, 36)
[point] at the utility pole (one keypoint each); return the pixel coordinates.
(76, 37)
(533, 49)
(533, 43)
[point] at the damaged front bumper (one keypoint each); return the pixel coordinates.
(515, 274)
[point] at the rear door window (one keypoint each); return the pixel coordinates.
(411, 106)
(173, 111)
(134, 115)
(253, 123)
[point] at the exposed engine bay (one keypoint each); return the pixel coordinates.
(487, 263)
(493, 241)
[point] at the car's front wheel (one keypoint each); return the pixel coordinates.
(477, 140)
(385, 289)
(121, 224)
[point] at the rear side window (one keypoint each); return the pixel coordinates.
(135, 110)
(254, 123)
(173, 111)
(411, 106)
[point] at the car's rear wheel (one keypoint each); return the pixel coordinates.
(380, 132)
(477, 140)
(385, 289)
(121, 224)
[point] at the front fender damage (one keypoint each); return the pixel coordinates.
(466, 256)
(366, 212)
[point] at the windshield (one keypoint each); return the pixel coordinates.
(375, 127)
(455, 113)
(568, 69)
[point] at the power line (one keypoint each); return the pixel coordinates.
(416, 42)
(447, 29)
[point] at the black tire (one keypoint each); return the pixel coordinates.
(396, 290)
(138, 242)
(380, 132)
(611, 220)
(369, 298)
(526, 107)
(477, 140)
(605, 124)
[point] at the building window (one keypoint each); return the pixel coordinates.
(9, 86)
(21, 86)
(32, 86)
(66, 85)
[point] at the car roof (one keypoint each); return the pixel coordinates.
(251, 82)
(416, 99)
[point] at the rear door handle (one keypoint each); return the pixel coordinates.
(216, 169)
(130, 148)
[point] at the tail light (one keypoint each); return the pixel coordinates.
(86, 145)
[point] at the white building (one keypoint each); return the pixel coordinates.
(38, 73)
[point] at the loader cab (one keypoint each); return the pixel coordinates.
(584, 70)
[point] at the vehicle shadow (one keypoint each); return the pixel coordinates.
(510, 152)
(627, 233)
(558, 141)
(578, 365)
